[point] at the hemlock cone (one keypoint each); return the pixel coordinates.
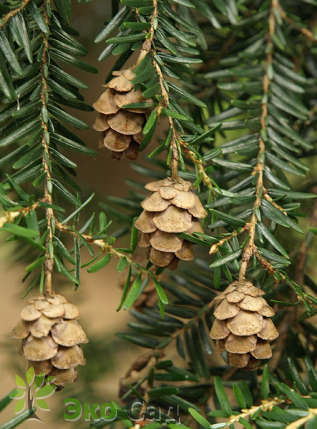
(242, 325)
(172, 208)
(121, 128)
(51, 337)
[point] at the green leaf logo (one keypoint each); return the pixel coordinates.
(17, 394)
(32, 390)
(20, 382)
(42, 404)
(45, 391)
(20, 405)
(29, 375)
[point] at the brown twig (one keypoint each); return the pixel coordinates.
(14, 12)
(148, 48)
(165, 101)
(215, 247)
(311, 413)
(147, 45)
(265, 405)
(175, 140)
(48, 185)
(266, 264)
(258, 170)
(10, 216)
(267, 196)
(199, 165)
(103, 246)
(307, 33)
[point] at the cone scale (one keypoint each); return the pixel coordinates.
(172, 208)
(121, 129)
(243, 326)
(51, 338)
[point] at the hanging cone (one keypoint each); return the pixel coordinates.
(51, 337)
(121, 128)
(243, 326)
(167, 212)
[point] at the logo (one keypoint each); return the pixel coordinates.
(32, 391)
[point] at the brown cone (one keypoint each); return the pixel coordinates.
(243, 326)
(121, 129)
(51, 337)
(172, 208)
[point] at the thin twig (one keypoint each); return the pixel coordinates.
(267, 196)
(103, 245)
(10, 216)
(14, 12)
(199, 164)
(265, 405)
(307, 33)
(48, 185)
(175, 140)
(148, 48)
(165, 101)
(259, 168)
(267, 265)
(311, 413)
(215, 247)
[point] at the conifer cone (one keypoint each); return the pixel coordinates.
(243, 325)
(121, 128)
(171, 209)
(51, 337)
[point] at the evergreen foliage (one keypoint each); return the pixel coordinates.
(236, 84)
